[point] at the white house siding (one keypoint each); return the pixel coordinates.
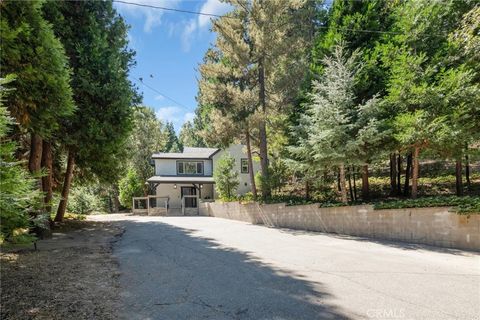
(175, 200)
(238, 152)
(168, 167)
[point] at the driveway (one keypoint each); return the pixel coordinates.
(210, 268)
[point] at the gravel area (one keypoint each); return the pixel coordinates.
(70, 276)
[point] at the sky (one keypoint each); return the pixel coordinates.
(169, 48)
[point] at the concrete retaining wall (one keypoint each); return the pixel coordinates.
(433, 226)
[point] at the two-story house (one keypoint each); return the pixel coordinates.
(185, 179)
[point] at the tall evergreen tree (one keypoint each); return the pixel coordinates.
(30, 50)
(95, 39)
(335, 129)
(416, 53)
(189, 136)
(270, 37)
(18, 193)
(173, 144)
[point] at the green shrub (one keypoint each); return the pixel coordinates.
(289, 200)
(459, 204)
(85, 200)
(226, 178)
(247, 197)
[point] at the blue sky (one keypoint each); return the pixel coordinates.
(170, 46)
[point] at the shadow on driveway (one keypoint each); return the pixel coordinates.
(171, 273)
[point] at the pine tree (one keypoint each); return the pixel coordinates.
(335, 130)
(266, 41)
(189, 136)
(173, 144)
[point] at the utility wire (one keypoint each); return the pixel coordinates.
(170, 9)
(230, 17)
(155, 90)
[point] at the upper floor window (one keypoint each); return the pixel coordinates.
(190, 167)
(244, 165)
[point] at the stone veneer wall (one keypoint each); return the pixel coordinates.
(433, 226)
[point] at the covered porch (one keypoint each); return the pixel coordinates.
(179, 195)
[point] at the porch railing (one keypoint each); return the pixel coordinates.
(189, 210)
(150, 205)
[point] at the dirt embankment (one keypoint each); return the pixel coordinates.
(71, 276)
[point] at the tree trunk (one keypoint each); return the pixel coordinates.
(408, 171)
(393, 174)
(467, 172)
(250, 165)
(354, 184)
(415, 169)
(307, 190)
(35, 160)
(343, 187)
(399, 174)
(115, 200)
(339, 187)
(365, 185)
(66, 187)
(47, 163)
(350, 190)
(266, 192)
(458, 177)
(35, 166)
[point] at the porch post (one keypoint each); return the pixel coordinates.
(148, 206)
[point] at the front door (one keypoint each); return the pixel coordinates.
(190, 202)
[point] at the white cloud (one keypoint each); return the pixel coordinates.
(188, 117)
(187, 35)
(202, 22)
(159, 97)
(174, 114)
(212, 7)
(170, 113)
(152, 16)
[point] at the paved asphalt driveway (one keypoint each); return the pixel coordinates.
(210, 268)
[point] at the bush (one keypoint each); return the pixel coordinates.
(226, 178)
(85, 200)
(462, 205)
(289, 200)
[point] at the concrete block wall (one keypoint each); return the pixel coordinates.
(433, 226)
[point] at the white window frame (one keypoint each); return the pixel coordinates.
(181, 164)
(241, 166)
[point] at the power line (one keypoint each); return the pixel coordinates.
(170, 9)
(230, 17)
(155, 90)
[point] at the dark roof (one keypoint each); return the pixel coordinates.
(177, 179)
(188, 153)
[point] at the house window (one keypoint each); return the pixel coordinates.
(189, 167)
(244, 165)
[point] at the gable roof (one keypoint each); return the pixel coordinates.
(188, 153)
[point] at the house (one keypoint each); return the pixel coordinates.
(185, 179)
